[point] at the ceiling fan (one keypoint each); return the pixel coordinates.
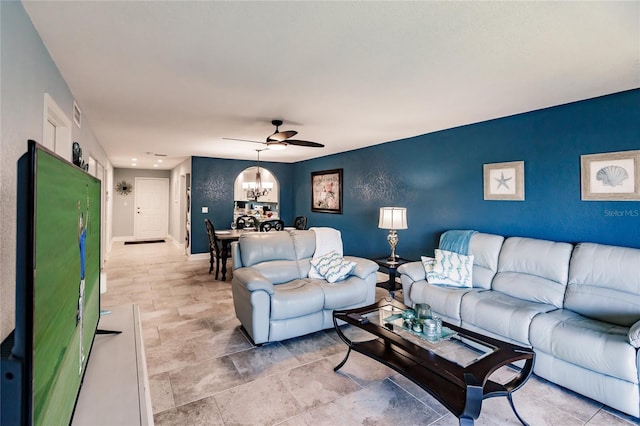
(279, 140)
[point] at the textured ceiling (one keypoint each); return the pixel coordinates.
(176, 77)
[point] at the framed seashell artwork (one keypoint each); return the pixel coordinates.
(504, 181)
(610, 176)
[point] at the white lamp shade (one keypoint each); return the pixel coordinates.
(393, 218)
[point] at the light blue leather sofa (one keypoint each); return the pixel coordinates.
(273, 297)
(577, 306)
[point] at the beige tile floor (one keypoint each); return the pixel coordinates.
(204, 371)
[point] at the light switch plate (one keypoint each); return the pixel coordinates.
(205, 210)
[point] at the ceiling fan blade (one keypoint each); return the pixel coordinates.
(281, 136)
(304, 143)
(242, 140)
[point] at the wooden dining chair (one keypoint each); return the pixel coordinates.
(246, 221)
(300, 222)
(274, 224)
(215, 250)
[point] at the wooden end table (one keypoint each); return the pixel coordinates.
(391, 266)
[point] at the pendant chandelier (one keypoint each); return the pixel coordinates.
(257, 188)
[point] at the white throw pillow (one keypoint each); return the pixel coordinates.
(634, 335)
(428, 263)
(331, 267)
(321, 262)
(452, 269)
(339, 271)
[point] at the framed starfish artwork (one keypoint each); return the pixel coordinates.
(504, 181)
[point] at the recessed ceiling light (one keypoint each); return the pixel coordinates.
(134, 159)
(155, 165)
(159, 161)
(133, 164)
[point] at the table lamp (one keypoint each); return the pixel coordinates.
(393, 218)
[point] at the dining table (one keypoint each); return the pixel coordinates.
(226, 237)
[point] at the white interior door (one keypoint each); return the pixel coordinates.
(151, 215)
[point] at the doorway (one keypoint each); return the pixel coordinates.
(151, 215)
(56, 129)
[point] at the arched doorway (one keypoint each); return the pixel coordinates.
(256, 191)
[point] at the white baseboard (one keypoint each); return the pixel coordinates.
(103, 281)
(199, 256)
(178, 244)
(126, 238)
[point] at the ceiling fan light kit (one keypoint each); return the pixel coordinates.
(257, 188)
(276, 146)
(279, 140)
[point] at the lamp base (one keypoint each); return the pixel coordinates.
(392, 238)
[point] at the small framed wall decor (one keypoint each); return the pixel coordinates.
(610, 176)
(124, 188)
(326, 191)
(504, 181)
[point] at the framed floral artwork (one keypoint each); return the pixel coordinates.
(610, 176)
(326, 191)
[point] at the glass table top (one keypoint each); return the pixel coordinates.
(452, 344)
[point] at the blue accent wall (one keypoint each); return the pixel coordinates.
(212, 182)
(439, 178)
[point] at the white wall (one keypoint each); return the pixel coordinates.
(177, 207)
(27, 72)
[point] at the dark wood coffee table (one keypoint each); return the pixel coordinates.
(460, 385)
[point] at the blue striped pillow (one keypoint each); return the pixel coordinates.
(452, 269)
(332, 267)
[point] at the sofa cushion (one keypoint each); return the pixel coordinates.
(589, 343)
(278, 271)
(451, 268)
(604, 283)
(533, 270)
(485, 249)
(304, 242)
(444, 300)
(501, 314)
(257, 247)
(349, 292)
(296, 298)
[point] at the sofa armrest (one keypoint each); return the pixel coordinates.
(634, 335)
(414, 270)
(364, 267)
(252, 280)
(235, 255)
